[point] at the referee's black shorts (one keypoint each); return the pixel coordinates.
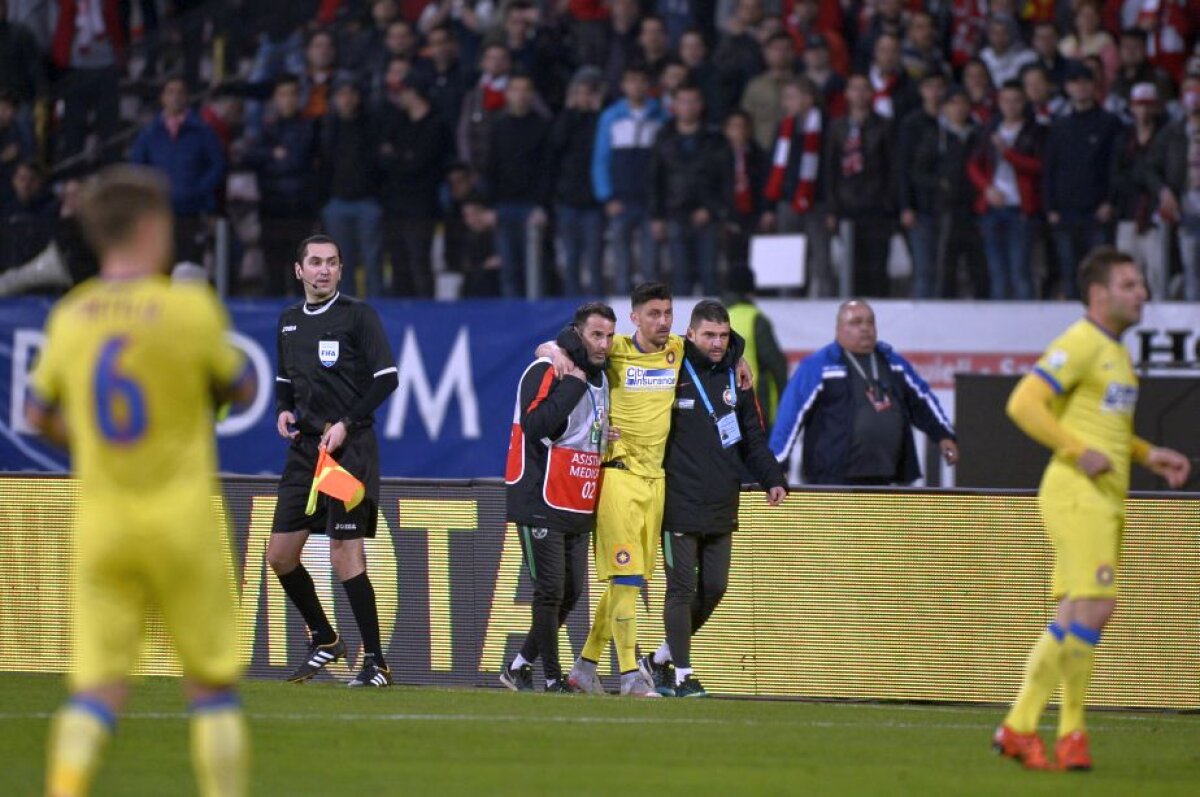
(360, 456)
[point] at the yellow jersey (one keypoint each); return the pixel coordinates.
(133, 366)
(643, 391)
(1096, 389)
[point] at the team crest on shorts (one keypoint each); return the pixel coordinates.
(327, 352)
(622, 555)
(1105, 575)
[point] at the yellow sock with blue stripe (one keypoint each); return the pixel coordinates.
(80, 731)
(601, 630)
(624, 624)
(1078, 655)
(1043, 673)
(220, 746)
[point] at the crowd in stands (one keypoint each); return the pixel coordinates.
(939, 149)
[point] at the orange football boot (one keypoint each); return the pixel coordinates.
(1027, 748)
(1072, 752)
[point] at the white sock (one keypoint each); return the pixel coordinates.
(681, 674)
(663, 654)
(518, 662)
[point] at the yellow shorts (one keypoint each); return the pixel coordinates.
(125, 569)
(1086, 536)
(628, 521)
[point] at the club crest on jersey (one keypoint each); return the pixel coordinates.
(327, 352)
(649, 378)
(671, 358)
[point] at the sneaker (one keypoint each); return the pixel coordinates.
(318, 656)
(518, 680)
(1072, 752)
(691, 687)
(1026, 748)
(559, 686)
(660, 676)
(583, 678)
(372, 674)
(634, 684)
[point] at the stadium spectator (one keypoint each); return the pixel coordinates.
(882, 18)
(652, 48)
(1049, 58)
(467, 19)
(390, 85)
(517, 180)
(1075, 184)
(444, 73)
(578, 215)
(738, 55)
(416, 146)
(805, 21)
(716, 435)
(920, 53)
(481, 265)
(940, 169)
(1138, 232)
(16, 142)
(1006, 170)
(185, 148)
(860, 186)
(918, 215)
(22, 65)
(689, 184)
(795, 188)
(831, 86)
(1134, 68)
(28, 217)
(625, 138)
(1087, 37)
(1174, 174)
(320, 71)
(968, 20)
(349, 176)
(768, 364)
(284, 157)
(1045, 102)
(89, 50)
(977, 82)
(857, 401)
(1171, 24)
(558, 423)
(748, 210)
(763, 97)
(892, 91)
(673, 75)
(693, 53)
(67, 261)
(1006, 53)
(368, 43)
(481, 106)
(678, 16)
(621, 47)
(400, 44)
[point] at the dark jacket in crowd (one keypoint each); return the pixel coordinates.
(913, 129)
(21, 62)
(870, 192)
(940, 169)
(286, 182)
(1168, 159)
(517, 169)
(704, 478)
(28, 228)
(624, 143)
(689, 172)
(414, 155)
(1133, 196)
(817, 401)
(1074, 172)
(349, 160)
(446, 89)
(571, 142)
(758, 170)
(193, 162)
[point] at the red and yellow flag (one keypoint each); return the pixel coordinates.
(336, 482)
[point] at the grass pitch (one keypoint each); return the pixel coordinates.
(322, 739)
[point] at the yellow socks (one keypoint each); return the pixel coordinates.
(624, 624)
(1042, 675)
(601, 630)
(81, 729)
(1078, 654)
(220, 746)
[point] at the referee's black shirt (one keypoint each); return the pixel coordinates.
(335, 364)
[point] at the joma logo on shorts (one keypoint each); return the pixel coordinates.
(345, 526)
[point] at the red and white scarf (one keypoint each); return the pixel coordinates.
(89, 24)
(968, 19)
(493, 92)
(882, 87)
(1171, 25)
(810, 161)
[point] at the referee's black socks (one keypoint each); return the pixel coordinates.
(298, 585)
(362, 603)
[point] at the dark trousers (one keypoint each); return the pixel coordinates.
(410, 245)
(283, 228)
(697, 568)
(959, 242)
(1075, 235)
(872, 236)
(88, 93)
(557, 563)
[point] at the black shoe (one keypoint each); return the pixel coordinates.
(518, 680)
(318, 657)
(372, 674)
(691, 687)
(559, 687)
(662, 676)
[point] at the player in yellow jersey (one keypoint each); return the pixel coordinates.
(130, 377)
(1079, 402)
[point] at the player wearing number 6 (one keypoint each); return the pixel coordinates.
(559, 434)
(130, 377)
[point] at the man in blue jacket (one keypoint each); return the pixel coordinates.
(184, 147)
(856, 401)
(621, 158)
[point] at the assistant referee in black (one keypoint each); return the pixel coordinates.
(335, 369)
